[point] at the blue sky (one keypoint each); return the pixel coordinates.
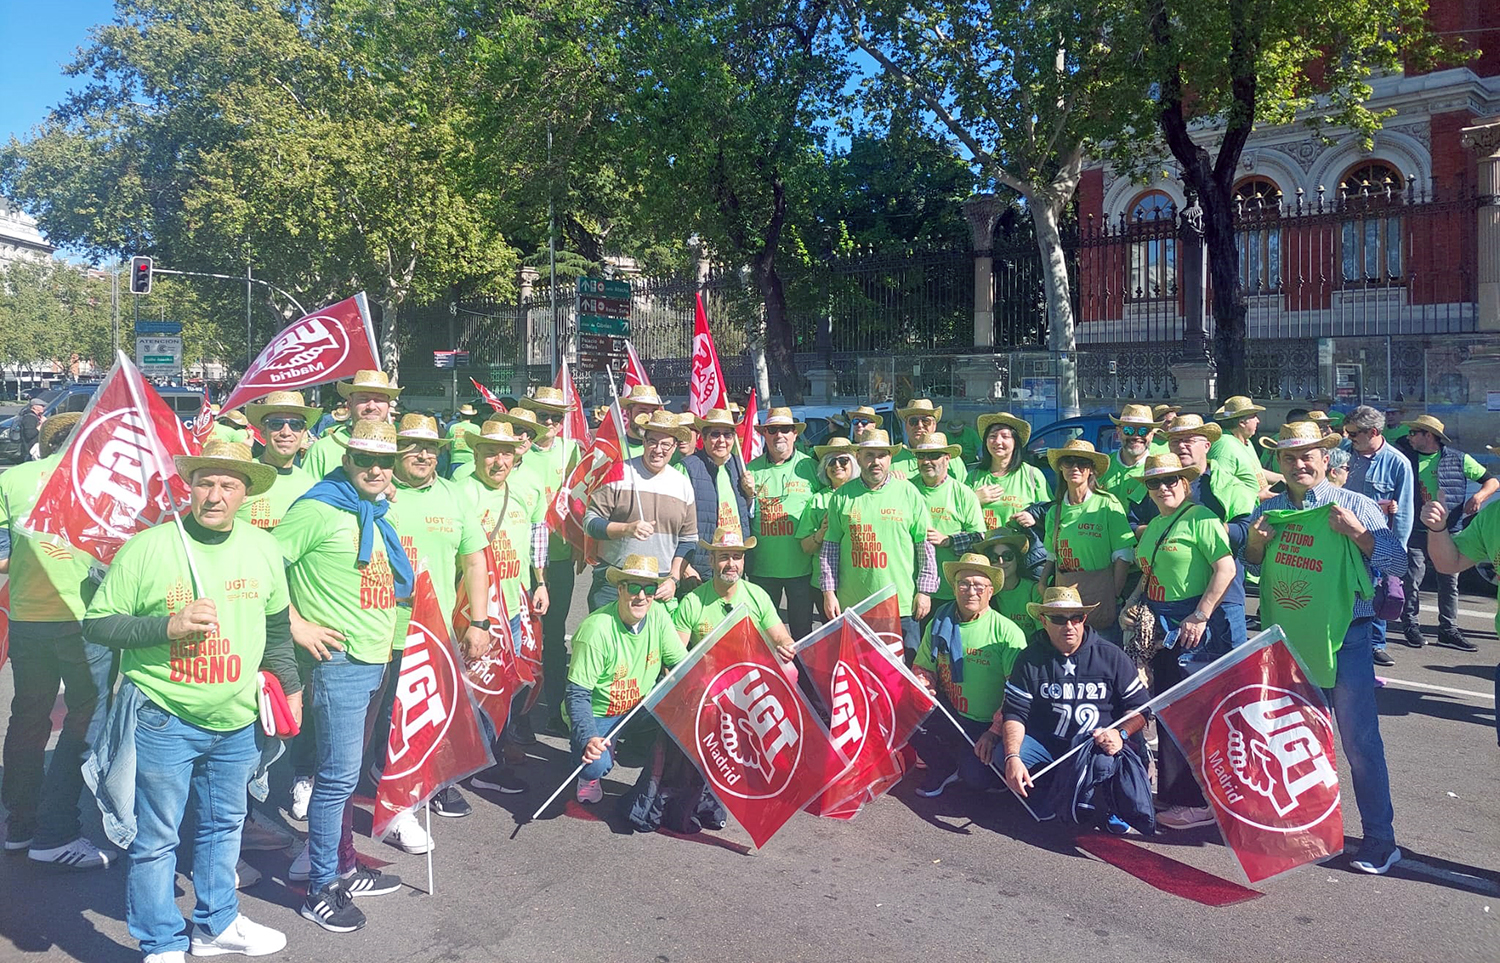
(40, 36)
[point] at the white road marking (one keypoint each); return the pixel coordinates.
(1488, 696)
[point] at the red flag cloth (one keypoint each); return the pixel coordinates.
(529, 656)
(330, 344)
(748, 730)
(116, 477)
(435, 737)
(882, 614)
(1259, 738)
(4, 622)
(488, 396)
(493, 677)
(752, 442)
(575, 424)
(203, 422)
(706, 389)
(635, 372)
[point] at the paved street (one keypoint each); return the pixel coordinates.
(963, 877)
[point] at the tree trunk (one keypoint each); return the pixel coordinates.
(780, 343)
(1060, 337)
(1229, 306)
(390, 348)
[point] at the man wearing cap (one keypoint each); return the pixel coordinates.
(190, 655)
(955, 522)
(1317, 585)
(1442, 472)
(371, 396)
(638, 402)
(1239, 419)
(967, 652)
(49, 580)
(282, 419)
(1381, 471)
(465, 419)
(619, 651)
(645, 508)
(1135, 430)
(722, 492)
(700, 611)
(30, 424)
(877, 536)
(920, 418)
(347, 569)
(785, 481)
(1071, 682)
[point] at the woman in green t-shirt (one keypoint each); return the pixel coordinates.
(1003, 481)
(1008, 548)
(835, 467)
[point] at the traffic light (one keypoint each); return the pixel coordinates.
(140, 275)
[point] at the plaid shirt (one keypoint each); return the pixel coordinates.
(539, 546)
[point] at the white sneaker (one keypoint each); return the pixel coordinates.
(590, 791)
(1185, 817)
(301, 796)
(301, 867)
(243, 936)
(260, 835)
(79, 854)
(407, 834)
(170, 956)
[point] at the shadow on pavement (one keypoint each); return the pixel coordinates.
(1395, 701)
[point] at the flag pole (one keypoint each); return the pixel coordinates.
(617, 412)
(963, 732)
(427, 806)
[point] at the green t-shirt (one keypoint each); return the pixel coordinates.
(321, 546)
(326, 454)
(782, 494)
(992, 643)
(877, 533)
(223, 432)
(812, 520)
(506, 515)
(1427, 480)
(729, 509)
(1011, 603)
(1480, 540)
(1019, 489)
(904, 466)
(619, 666)
(546, 471)
(438, 526)
(1309, 580)
(211, 681)
(1086, 536)
(700, 611)
(1236, 457)
(459, 432)
(48, 576)
(952, 508)
(1124, 481)
(266, 509)
(1184, 557)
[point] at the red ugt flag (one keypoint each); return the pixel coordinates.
(493, 678)
(747, 729)
(635, 372)
(4, 623)
(752, 442)
(882, 615)
(707, 389)
(435, 737)
(575, 425)
(330, 344)
(203, 422)
(1258, 736)
(116, 477)
(488, 396)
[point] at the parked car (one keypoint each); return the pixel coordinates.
(823, 421)
(184, 402)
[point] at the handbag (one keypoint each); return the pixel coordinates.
(1098, 585)
(1144, 641)
(1390, 597)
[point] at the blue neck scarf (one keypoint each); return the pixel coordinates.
(337, 491)
(946, 638)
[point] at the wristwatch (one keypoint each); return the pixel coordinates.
(479, 624)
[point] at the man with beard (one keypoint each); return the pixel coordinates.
(371, 396)
(785, 481)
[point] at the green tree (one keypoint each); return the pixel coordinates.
(51, 309)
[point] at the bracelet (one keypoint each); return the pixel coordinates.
(1009, 756)
(1434, 530)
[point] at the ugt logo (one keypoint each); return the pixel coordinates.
(1268, 759)
(749, 731)
(425, 691)
(316, 343)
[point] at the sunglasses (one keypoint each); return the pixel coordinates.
(365, 460)
(842, 461)
(1065, 619)
(274, 423)
(781, 430)
(930, 455)
(718, 433)
(1155, 483)
(1136, 432)
(919, 419)
(639, 588)
(1083, 463)
(1005, 556)
(550, 417)
(860, 421)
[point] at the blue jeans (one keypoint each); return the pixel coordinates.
(597, 769)
(173, 757)
(1377, 633)
(911, 634)
(45, 656)
(345, 689)
(1353, 700)
(945, 751)
(1034, 756)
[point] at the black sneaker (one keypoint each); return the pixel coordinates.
(499, 779)
(1455, 640)
(521, 732)
(1381, 657)
(1413, 638)
(332, 908)
(451, 803)
(1376, 857)
(365, 880)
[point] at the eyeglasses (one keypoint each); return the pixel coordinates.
(639, 588)
(915, 420)
(975, 587)
(781, 430)
(1155, 483)
(720, 434)
(1419, 431)
(1005, 556)
(1139, 431)
(274, 423)
(550, 417)
(930, 455)
(364, 460)
(666, 441)
(1066, 619)
(1083, 463)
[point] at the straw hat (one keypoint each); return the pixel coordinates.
(372, 437)
(838, 444)
(1078, 448)
(688, 420)
(716, 418)
(229, 456)
(974, 562)
(523, 419)
(236, 417)
(1429, 423)
(1167, 465)
(664, 422)
(641, 395)
(466, 410)
(1493, 449)
(1136, 416)
(876, 439)
(921, 407)
(634, 567)
(1059, 600)
(1184, 425)
(781, 418)
(496, 433)
(548, 398)
(1300, 436)
(1320, 418)
(373, 382)
(937, 441)
(339, 413)
(600, 413)
(728, 538)
(1005, 536)
(1020, 426)
(415, 427)
(1237, 407)
(865, 412)
(1161, 411)
(213, 408)
(282, 403)
(50, 429)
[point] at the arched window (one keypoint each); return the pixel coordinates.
(1153, 257)
(1370, 195)
(1257, 206)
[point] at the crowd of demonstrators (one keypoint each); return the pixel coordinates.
(722, 489)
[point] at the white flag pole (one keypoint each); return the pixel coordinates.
(963, 732)
(428, 807)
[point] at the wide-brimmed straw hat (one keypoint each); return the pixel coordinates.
(1299, 436)
(466, 410)
(936, 442)
(1167, 465)
(374, 382)
(1020, 426)
(664, 422)
(876, 439)
(370, 437)
(921, 407)
(635, 567)
(339, 413)
(1429, 423)
(837, 445)
(1059, 600)
(1237, 407)
(424, 428)
(230, 456)
(1161, 411)
(1005, 536)
(66, 421)
(1191, 424)
(236, 417)
(641, 395)
(781, 418)
(523, 419)
(496, 433)
(1078, 448)
(548, 398)
(1320, 418)
(282, 403)
(1137, 416)
(866, 412)
(715, 418)
(974, 562)
(728, 538)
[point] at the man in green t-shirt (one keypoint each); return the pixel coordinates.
(619, 651)
(282, 419)
(1451, 554)
(955, 520)
(49, 579)
(465, 420)
(371, 397)
(1136, 430)
(1239, 419)
(966, 655)
(785, 481)
(700, 611)
(877, 536)
(230, 426)
(196, 612)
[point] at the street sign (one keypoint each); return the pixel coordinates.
(159, 357)
(450, 359)
(603, 324)
(158, 327)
